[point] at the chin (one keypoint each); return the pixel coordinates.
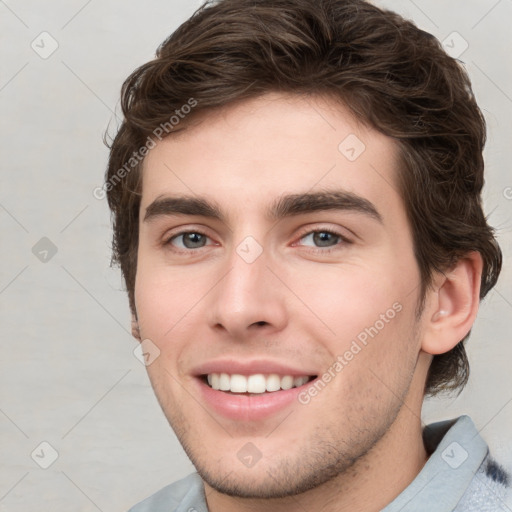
(283, 479)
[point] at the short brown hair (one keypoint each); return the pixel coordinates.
(393, 76)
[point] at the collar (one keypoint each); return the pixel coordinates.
(457, 451)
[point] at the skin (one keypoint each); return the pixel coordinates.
(358, 443)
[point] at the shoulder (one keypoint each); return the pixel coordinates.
(460, 474)
(490, 489)
(497, 473)
(180, 496)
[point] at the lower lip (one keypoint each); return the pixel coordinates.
(248, 408)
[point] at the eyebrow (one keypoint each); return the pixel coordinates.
(286, 206)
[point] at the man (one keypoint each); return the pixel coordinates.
(297, 215)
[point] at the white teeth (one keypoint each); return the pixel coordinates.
(238, 384)
(273, 382)
(224, 382)
(257, 383)
(214, 381)
(299, 381)
(287, 382)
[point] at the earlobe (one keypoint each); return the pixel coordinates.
(135, 328)
(452, 305)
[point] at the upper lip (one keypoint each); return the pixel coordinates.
(250, 367)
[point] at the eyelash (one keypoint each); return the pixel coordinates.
(325, 250)
(343, 240)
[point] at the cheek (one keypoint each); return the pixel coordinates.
(165, 297)
(377, 356)
(349, 299)
(369, 312)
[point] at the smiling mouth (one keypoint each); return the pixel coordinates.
(256, 384)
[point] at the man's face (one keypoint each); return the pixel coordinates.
(302, 268)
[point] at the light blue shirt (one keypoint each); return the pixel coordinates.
(459, 476)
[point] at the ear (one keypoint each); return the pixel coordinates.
(452, 305)
(135, 327)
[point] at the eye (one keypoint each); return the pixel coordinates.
(322, 238)
(188, 240)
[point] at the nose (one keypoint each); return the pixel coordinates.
(249, 299)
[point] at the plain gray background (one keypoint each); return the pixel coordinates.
(68, 375)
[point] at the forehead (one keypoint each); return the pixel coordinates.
(245, 154)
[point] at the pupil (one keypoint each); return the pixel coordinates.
(193, 240)
(323, 238)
